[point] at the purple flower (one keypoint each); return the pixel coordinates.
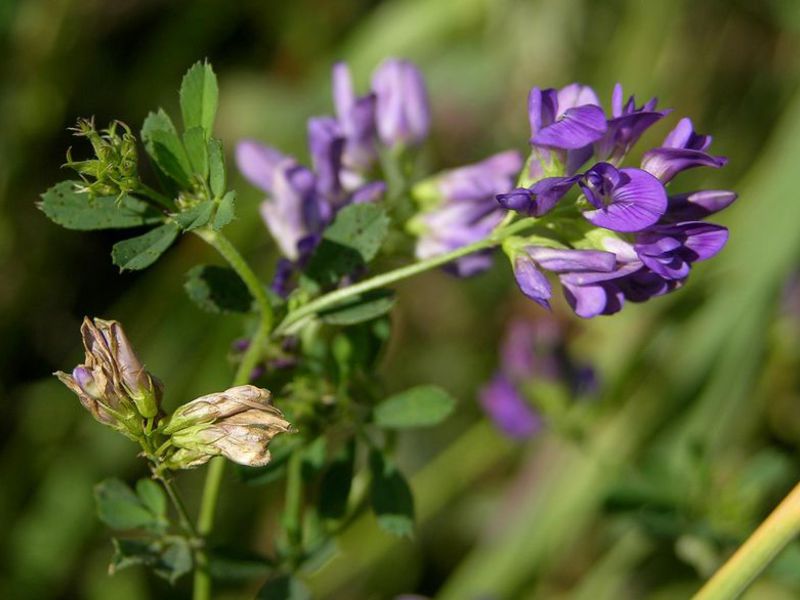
(326, 143)
(538, 199)
(402, 112)
(626, 126)
(257, 162)
(626, 199)
(693, 206)
(508, 409)
(567, 119)
(465, 209)
(531, 281)
(682, 149)
(295, 211)
(356, 117)
(670, 250)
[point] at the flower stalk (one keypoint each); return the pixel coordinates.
(772, 536)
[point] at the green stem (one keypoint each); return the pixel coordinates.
(780, 528)
(216, 467)
(180, 507)
(295, 318)
(156, 196)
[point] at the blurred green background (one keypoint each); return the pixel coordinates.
(696, 436)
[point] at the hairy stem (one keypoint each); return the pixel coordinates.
(216, 467)
(772, 536)
(295, 318)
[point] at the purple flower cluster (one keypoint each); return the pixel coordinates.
(531, 353)
(344, 150)
(638, 241)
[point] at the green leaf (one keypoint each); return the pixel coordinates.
(217, 289)
(284, 587)
(194, 140)
(336, 483)
(216, 167)
(226, 211)
(165, 147)
(421, 406)
(195, 217)
(120, 508)
(66, 206)
(199, 95)
(153, 497)
(392, 501)
(170, 559)
(351, 241)
(359, 308)
(142, 251)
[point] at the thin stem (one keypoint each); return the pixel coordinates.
(780, 528)
(294, 318)
(180, 507)
(216, 467)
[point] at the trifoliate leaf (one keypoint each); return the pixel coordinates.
(391, 498)
(226, 211)
(142, 251)
(217, 289)
(421, 406)
(65, 205)
(199, 96)
(119, 507)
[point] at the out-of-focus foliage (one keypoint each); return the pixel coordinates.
(699, 428)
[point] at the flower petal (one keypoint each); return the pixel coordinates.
(574, 129)
(531, 280)
(563, 261)
(638, 201)
(257, 162)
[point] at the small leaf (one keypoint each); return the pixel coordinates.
(360, 308)
(142, 251)
(66, 206)
(169, 560)
(351, 241)
(171, 157)
(153, 497)
(120, 508)
(217, 289)
(216, 167)
(226, 211)
(284, 587)
(336, 483)
(392, 501)
(199, 96)
(194, 140)
(195, 217)
(421, 406)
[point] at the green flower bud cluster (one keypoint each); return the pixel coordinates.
(114, 170)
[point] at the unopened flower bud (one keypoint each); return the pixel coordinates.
(112, 384)
(238, 424)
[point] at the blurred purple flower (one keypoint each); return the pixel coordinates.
(508, 409)
(356, 117)
(465, 209)
(402, 112)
